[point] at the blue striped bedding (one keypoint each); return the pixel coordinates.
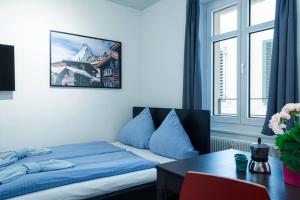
(88, 166)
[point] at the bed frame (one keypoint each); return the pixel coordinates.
(197, 125)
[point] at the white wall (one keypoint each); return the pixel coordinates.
(162, 48)
(37, 115)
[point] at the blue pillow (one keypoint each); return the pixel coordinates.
(138, 131)
(171, 140)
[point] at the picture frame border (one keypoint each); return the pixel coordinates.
(73, 86)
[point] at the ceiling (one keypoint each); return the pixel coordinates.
(136, 4)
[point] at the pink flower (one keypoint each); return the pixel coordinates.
(277, 130)
(282, 125)
(272, 124)
(297, 106)
(275, 124)
(276, 118)
(284, 115)
(289, 107)
(277, 121)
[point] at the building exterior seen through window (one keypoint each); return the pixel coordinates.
(241, 44)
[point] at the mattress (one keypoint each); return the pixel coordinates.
(102, 186)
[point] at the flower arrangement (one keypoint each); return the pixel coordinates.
(288, 140)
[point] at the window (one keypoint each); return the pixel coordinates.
(225, 54)
(261, 41)
(108, 84)
(108, 72)
(260, 68)
(262, 11)
(225, 20)
(240, 38)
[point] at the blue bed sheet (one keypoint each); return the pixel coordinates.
(86, 168)
(91, 161)
(67, 151)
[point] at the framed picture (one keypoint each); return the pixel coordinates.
(82, 61)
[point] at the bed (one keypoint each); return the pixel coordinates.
(138, 184)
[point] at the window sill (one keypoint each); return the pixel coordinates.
(239, 131)
(243, 121)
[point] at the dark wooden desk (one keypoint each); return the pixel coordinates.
(170, 175)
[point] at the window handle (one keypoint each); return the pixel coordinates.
(243, 68)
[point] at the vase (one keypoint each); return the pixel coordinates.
(291, 177)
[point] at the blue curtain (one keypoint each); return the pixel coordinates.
(192, 91)
(283, 83)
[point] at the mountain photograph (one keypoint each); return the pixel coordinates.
(81, 61)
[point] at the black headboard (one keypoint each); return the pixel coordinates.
(195, 122)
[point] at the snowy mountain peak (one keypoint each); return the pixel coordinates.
(84, 54)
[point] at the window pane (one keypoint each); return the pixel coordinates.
(262, 11)
(225, 20)
(260, 67)
(225, 77)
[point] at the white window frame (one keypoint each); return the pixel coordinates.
(243, 54)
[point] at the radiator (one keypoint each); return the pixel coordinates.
(220, 144)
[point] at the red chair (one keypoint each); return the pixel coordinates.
(201, 186)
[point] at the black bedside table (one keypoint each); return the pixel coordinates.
(170, 175)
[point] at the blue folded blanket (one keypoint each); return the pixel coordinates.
(7, 158)
(14, 172)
